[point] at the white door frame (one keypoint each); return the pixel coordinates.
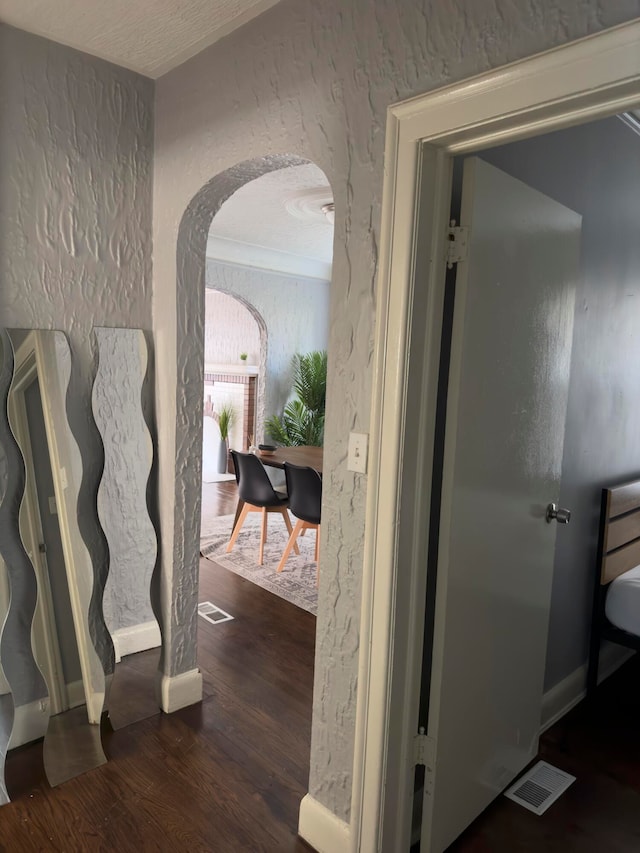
(585, 80)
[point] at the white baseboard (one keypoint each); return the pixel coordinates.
(567, 693)
(137, 638)
(320, 828)
(30, 722)
(179, 691)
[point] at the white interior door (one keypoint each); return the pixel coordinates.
(506, 409)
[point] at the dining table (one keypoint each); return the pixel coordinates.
(309, 457)
(305, 455)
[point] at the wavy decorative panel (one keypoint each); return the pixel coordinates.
(122, 496)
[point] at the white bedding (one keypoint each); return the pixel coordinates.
(622, 606)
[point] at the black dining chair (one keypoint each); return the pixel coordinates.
(304, 487)
(258, 495)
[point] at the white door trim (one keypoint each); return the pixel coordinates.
(584, 80)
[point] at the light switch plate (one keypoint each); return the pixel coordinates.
(358, 451)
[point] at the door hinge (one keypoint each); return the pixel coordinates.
(423, 749)
(457, 239)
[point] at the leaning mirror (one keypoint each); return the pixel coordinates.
(78, 549)
(49, 569)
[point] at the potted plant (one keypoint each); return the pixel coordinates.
(226, 417)
(243, 357)
(302, 421)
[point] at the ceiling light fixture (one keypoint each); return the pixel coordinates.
(329, 211)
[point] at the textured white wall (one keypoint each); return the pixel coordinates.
(76, 147)
(295, 312)
(229, 330)
(313, 80)
(228, 333)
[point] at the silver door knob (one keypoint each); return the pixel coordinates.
(556, 513)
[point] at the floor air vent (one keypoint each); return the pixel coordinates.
(539, 787)
(212, 613)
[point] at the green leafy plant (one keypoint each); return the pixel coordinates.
(243, 356)
(226, 417)
(302, 421)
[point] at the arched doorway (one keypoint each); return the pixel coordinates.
(194, 269)
(190, 289)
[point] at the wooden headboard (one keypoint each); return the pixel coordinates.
(620, 533)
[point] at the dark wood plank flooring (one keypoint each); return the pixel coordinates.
(598, 743)
(225, 775)
(222, 498)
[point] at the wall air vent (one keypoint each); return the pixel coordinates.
(539, 787)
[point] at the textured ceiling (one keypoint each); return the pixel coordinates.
(280, 211)
(148, 36)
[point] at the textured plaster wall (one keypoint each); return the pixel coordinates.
(295, 312)
(229, 330)
(76, 154)
(232, 326)
(603, 448)
(313, 80)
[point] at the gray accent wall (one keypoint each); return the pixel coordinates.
(595, 170)
(312, 80)
(295, 312)
(76, 147)
(76, 171)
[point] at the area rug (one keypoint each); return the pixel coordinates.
(295, 583)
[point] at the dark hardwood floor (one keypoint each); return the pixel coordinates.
(225, 775)
(220, 498)
(599, 744)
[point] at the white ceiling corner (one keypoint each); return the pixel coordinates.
(147, 36)
(276, 223)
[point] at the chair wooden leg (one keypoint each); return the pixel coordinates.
(287, 521)
(238, 526)
(290, 544)
(263, 535)
(239, 509)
